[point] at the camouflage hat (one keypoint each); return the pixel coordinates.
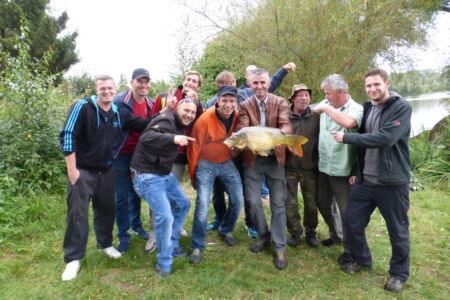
(299, 87)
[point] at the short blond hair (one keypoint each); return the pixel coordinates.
(103, 77)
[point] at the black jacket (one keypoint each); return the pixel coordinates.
(156, 150)
(91, 133)
(392, 138)
(307, 125)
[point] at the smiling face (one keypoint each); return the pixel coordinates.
(377, 88)
(191, 83)
(106, 90)
(140, 87)
(226, 105)
(260, 84)
(186, 112)
(301, 100)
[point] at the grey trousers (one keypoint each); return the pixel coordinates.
(276, 181)
(332, 188)
(178, 171)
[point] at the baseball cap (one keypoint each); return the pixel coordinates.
(140, 73)
(227, 90)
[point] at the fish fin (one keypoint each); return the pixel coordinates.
(262, 153)
(296, 143)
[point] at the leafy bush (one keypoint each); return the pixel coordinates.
(31, 112)
(82, 85)
(430, 160)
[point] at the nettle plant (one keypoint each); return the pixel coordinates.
(30, 117)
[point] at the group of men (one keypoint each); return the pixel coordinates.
(356, 159)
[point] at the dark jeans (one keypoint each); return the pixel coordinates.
(95, 186)
(329, 188)
(308, 185)
(393, 203)
(276, 180)
(128, 203)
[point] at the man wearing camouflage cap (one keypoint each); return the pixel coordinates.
(303, 170)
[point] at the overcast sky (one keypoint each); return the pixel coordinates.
(115, 37)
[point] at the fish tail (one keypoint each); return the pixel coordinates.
(295, 144)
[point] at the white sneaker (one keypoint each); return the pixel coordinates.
(71, 270)
(150, 246)
(184, 233)
(112, 252)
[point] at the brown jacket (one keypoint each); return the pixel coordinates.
(277, 110)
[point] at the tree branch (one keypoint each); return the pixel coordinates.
(224, 29)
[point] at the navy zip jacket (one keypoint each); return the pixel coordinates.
(392, 139)
(91, 133)
(125, 101)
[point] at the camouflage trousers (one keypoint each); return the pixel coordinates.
(308, 186)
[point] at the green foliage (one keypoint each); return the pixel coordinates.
(418, 82)
(321, 37)
(82, 85)
(215, 59)
(158, 87)
(30, 117)
(45, 33)
(430, 160)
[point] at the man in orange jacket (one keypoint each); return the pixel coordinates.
(209, 158)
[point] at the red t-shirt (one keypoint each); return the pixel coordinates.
(139, 110)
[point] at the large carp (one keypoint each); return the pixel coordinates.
(261, 140)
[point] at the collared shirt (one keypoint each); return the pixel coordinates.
(336, 159)
(262, 110)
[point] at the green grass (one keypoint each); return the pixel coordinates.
(31, 261)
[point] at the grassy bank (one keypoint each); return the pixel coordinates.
(31, 257)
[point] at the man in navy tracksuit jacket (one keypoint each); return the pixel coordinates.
(384, 174)
(87, 140)
(128, 204)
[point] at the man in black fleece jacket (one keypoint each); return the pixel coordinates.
(151, 167)
(383, 173)
(88, 140)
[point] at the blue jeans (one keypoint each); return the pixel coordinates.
(169, 206)
(128, 204)
(205, 175)
(264, 187)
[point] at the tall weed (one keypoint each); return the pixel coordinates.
(431, 160)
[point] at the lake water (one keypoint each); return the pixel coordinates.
(428, 109)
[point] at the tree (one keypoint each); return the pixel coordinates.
(44, 32)
(321, 37)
